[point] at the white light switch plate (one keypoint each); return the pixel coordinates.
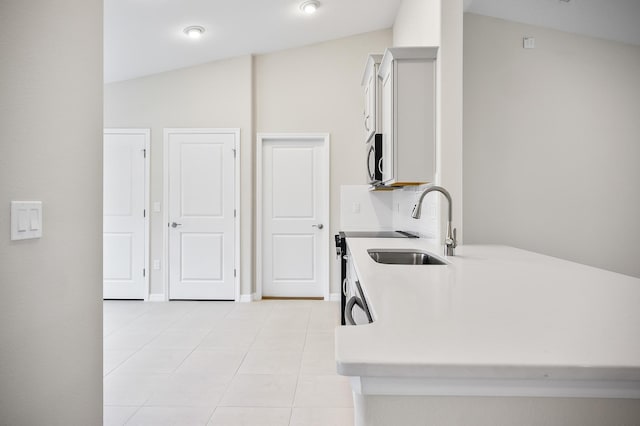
(529, 43)
(26, 220)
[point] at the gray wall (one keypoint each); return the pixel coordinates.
(552, 143)
(51, 150)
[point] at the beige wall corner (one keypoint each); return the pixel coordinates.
(51, 151)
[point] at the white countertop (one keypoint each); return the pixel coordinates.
(494, 312)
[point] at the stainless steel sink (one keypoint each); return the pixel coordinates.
(404, 257)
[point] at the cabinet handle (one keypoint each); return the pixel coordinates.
(344, 287)
(366, 123)
(380, 165)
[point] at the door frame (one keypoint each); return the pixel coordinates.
(147, 183)
(261, 138)
(165, 201)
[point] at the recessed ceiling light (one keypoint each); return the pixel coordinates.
(194, 31)
(309, 6)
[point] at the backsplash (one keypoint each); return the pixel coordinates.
(403, 201)
(365, 210)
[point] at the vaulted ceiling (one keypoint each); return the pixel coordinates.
(145, 37)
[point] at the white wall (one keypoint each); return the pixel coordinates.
(51, 150)
(551, 147)
(309, 89)
(217, 94)
(382, 410)
(417, 23)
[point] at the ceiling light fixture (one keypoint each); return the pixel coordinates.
(309, 6)
(194, 31)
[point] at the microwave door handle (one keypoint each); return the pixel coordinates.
(371, 175)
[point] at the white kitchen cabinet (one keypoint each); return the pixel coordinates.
(371, 87)
(408, 115)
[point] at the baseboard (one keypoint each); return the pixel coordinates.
(156, 297)
(334, 297)
(291, 298)
(248, 297)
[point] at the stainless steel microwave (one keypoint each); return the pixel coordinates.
(374, 159)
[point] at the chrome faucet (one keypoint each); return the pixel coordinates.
(450, 242)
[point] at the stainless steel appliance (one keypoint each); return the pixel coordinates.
(356, 301)
(374, 159)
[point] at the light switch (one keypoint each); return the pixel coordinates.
(26, 220)
(34, 219)
(22, 220)
(156, 207)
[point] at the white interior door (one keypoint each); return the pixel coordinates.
(124, 217)
(295, 231)
(201, 214)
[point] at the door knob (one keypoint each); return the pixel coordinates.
(175, 225)
(319, 226)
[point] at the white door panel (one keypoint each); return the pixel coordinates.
(293, 218)
(124, 222)
(118, 249)
(195, 247)
(201, 204)
(293, 187)
(293, 257)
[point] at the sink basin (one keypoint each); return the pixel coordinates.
(404, 257)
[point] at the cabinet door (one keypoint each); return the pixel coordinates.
(387, 128)
(370, 107)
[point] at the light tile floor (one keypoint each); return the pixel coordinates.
(223, 363)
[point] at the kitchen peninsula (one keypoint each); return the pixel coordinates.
(495, 333)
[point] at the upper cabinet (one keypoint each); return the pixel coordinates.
(407, 76)
(371, 86)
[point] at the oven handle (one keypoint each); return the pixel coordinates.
(348, 315)
(348, 310)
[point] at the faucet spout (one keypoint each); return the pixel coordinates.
(450, 240)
